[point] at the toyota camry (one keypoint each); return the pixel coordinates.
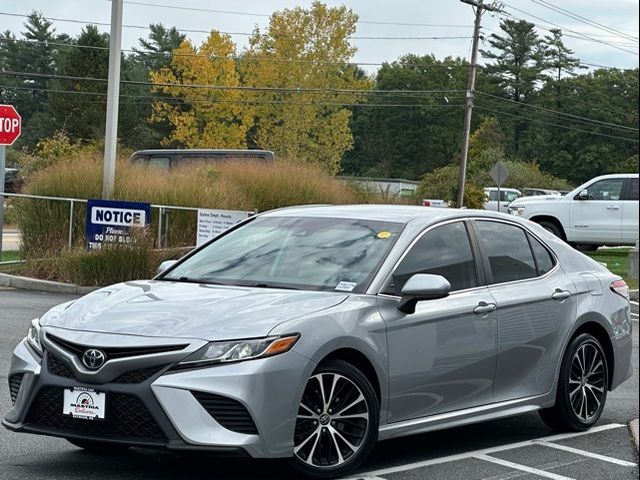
(310, 333)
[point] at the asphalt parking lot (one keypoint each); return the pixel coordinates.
(518, 447)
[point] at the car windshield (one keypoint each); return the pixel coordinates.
(300, 253)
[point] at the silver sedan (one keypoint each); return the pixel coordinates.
(309, 333)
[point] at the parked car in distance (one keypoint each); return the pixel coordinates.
(167, 159)
(507, 195)
(535, 192)
(12, 180)
(603, 211)
(309, 333)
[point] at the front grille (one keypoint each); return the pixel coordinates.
(138, 376)
(127, 418)
(113, 352)
(14, 386)
(58, 367)
(229, 413)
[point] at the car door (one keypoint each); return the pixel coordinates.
(443, 356)
(630, 203)
(536, 308)
(597, 217)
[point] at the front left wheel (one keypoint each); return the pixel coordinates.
(337, 422)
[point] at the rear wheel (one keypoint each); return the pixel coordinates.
(94, 446)
(582, 388)
(337, 422)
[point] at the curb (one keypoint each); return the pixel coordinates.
(634, 430)
(633, 295)
(26, 283)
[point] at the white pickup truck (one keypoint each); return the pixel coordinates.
(603, 211)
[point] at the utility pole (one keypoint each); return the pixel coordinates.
(471, 86)
(113, 97)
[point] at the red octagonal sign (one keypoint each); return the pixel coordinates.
(10, 125)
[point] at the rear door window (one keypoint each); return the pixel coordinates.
(544, 260)
(508, 251)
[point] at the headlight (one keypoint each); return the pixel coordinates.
(33, 336)
(239, 350)
(516, 210)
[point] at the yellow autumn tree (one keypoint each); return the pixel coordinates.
(303, 50)
(207, 111)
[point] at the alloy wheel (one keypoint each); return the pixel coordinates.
(587, 389)
(332, 422)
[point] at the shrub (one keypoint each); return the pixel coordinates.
(443, 182)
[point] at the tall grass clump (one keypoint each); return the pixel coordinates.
(230, 186)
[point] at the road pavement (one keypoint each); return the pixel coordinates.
(518, 447)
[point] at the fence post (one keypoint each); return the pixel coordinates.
(160, 216)
(70, 224)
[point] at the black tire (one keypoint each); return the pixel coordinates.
(311, 428)
(552, 227)
(587, 247)
(97, 447)
(564, 416)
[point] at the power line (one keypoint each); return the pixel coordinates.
(557, 125)
(582, 35)
(239, 58)
(228, 87)
(264, 15)
(584, 20)
(246, 34)
(584, 120)
(182, 100)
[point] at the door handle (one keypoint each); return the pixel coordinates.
(613, 207)
(561, 295)
(485, 308)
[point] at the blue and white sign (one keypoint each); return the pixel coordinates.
(111, 222)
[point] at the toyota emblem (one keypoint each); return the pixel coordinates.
(93, 358)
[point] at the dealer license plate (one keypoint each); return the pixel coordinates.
(84, 403)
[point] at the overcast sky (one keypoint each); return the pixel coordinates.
(621, 15)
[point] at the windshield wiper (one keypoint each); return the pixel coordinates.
(192, 280)
(269, 285)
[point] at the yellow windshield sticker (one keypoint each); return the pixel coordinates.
(383, 235)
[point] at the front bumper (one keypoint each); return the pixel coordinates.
(162, 411)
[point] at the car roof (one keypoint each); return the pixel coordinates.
(386, 213)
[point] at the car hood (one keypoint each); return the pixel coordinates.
(534, 200)
(186, 310)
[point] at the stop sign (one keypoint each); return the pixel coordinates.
(10, 125)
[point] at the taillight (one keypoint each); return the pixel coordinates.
(621, 288)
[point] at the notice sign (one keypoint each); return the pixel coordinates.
(212, 223)
(112, 222)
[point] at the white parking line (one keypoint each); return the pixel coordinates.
(523, 468)
(584, 453)
(485, 451)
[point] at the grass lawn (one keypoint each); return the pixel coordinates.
(10, 255)
(616, 260)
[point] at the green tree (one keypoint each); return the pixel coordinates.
(82, 114)
(157, 49)
(518, 68)
(558, 57)
(591, 144)
(310, 49)
(407, 141)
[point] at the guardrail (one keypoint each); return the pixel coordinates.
(163, 210)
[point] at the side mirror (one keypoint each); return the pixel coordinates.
(583, 195)
(422, 286)
(166, 265)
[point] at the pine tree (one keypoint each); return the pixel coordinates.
(558, 57)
